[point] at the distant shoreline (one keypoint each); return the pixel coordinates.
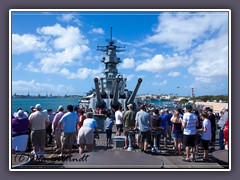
(217, 107)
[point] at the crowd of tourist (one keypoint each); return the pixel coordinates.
(186, 129)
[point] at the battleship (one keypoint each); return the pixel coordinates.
(110, 90)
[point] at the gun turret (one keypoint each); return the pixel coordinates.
(114, 103)
(122, 94)
(100, 103)
(133, 95)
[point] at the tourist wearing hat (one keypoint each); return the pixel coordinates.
(189, 124)
(38, 124)
(32, 109)
(20, 132)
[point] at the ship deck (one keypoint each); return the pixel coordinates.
(119, 158)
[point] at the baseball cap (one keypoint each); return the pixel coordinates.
(38, 106)
(188, 106)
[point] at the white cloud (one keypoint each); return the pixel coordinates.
(56, 30)
(127, 63)
(34, 88)
(160, 62)
(164, 83)
(211, 60)
(81, 73)
(123, 42)
(66, 17)
(64, 37)
(26, 43)
(69, 18)
(19, 66)
(97, 31)
(31, 67)
(141, 76)
(158, 76)
(145, 54)
(67, 49)
(174, 74)
(148, 49)
(129, 77)
(181, 30)
(131, 52)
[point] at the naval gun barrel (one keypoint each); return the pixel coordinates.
(133, 95)
(103, 92)
(122, 94)
(100, 102)
(115, 104)
(112, 89)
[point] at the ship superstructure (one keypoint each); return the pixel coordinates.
(110, 89)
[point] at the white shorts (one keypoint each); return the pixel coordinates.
(85, 136)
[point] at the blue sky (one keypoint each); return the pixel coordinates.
(56, 52)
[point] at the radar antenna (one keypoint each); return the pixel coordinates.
(111, 45)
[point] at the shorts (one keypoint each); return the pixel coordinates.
(145, 136)
(119, 127)
(198, 139)
(38, 137)
(126, 131)
(108, 134)
(85, 136)
(205, 144)
(68, 138)
(189, 140)
(177, 136)
(164, 134)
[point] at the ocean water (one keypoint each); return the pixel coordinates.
(54, 103)
(47, 103)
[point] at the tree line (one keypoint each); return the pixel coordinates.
(206, 98)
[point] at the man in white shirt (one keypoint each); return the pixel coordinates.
(119, 121)
(189, 124)
(38, 124)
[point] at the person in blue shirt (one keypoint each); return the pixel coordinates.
(86, 133)
(169, 125)
(108, 125)
(164, 125)
(144, 123)
(206, 134)
(68, 125)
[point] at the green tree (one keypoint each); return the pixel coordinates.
(183, 101)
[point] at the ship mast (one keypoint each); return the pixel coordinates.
(110, 60)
